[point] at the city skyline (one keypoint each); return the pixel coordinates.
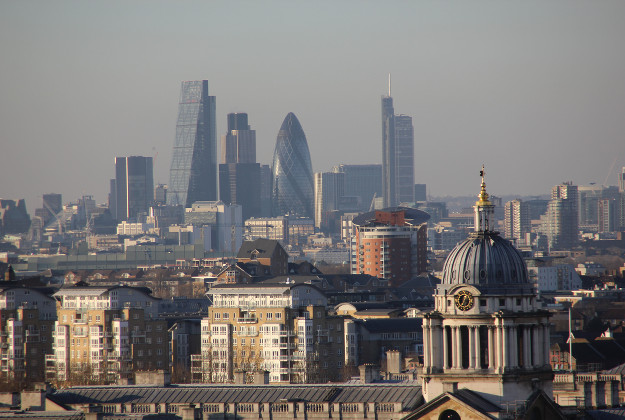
(482, 82)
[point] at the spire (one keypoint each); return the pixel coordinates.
(484, 209)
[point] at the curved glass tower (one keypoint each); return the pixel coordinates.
(293, 185)
(193, 172)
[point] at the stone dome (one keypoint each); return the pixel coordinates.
(485, 260)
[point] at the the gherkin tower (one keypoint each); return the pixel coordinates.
(293, 185)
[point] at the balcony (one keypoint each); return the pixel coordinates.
(248, 320)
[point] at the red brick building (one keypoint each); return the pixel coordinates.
(390, 243)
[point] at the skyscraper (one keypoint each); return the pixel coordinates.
(389, 167)
(562, 217)
(239, 174)
(132, 190)
(293, 188)
(397, 154)
(329, 188)
(516, 219)
(193, 173)
(364, 181)
(239, 143)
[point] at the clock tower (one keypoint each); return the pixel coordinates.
(487, 332)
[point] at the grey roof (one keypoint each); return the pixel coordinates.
(408, 394)
(68, 415)
(606, 414)
(265, 247)
(384, 325)
(488, 261)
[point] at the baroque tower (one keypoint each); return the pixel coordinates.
(488, 332)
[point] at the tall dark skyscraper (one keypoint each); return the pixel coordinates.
(132, 188)
(293, 185)
(193, 173)
(397, 154)
(239, 174)
(239, 143)
(363, 181)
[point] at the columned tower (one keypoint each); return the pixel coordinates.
(487, 332)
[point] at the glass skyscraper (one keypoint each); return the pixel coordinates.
(293, 185)
(193, 173)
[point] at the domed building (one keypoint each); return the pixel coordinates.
(488, 333)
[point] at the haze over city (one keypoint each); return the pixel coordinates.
(532, 89)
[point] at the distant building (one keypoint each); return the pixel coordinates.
(550, 276)
(391, 244)
(160, 194)
(560, 223)
(516, 220)
(420, 193)
(226, 222)
(13, 217)
(239, 143)
(133, 189)
(193, 173)
(364, 181)
(621, 180)
(329, 188)
(293, 187)
(239, 173)
(608, 215)
(397, 155)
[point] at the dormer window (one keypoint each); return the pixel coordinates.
(254, 255)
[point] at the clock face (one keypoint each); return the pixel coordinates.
(464, 300)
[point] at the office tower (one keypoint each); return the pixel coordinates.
(52, 204)
(329, 188)
(133, 187)
(363, 181)
(397, 155)
(516, 219)
(239, 143)
(293, 189)
(239, 174)
(160, 194)
(389, 167)
(239, 183)
(588, 204)
(420, 193)
(225, 221)
(13, 216)
(608, 218)
(404, 159)
(193, 172)
(621, 181)
(561, 221)
(265, 190)
(391, 244)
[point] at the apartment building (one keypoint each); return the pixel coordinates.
(106, 333)
(281, 327)
(27, 318)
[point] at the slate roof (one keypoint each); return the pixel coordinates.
(389, 325)
(266, 248)
(406, 393)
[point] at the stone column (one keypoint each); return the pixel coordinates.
(504, 346)
(536, 359)
(470, 338)
(514, 347)
(546, 343)
(491, 347)
(527, 348)
(435, 345)
(426, 343)
(478, 356)
(445, 349)
(458, 348)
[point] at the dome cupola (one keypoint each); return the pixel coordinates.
(485, 259)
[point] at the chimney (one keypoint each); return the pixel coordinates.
(369, 373)
(393, 361)
(239, 377)
(261, 377)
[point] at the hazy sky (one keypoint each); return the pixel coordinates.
(533, 89)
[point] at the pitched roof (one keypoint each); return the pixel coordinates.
(265, 247)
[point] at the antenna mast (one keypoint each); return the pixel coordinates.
(389, 85)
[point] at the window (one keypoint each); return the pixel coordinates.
(278, 315)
